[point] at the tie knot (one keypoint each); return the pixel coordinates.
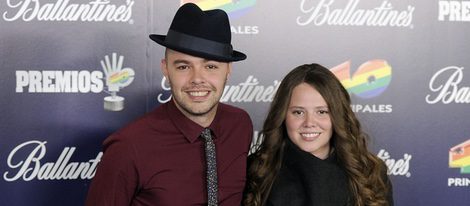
(206, 133)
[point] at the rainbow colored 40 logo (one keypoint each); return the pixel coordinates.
(370, 80)
(234, 8)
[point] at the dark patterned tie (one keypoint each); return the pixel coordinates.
(211, 168)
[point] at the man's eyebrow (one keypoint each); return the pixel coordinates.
(180, 61)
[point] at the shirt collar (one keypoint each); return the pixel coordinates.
(191, 130)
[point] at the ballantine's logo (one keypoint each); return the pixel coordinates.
(248, 91)
(62, 10)
(31, 167)
(323, 13)
(454, 11)
(370, 80)
(445, 86)
(395, 167)
(234, 8)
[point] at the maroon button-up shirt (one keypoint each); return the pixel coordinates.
(160, 160)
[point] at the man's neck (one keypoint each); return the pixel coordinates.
(204, 120)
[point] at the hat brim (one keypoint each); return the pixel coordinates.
(236, 55)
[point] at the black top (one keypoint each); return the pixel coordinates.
(307, 180)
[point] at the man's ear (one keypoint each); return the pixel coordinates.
(164, 68)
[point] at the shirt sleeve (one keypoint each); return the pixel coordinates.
(116, 178)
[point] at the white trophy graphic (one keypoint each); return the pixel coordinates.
(116, 78)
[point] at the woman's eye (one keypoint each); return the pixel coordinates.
(298, 112)
(323, 112)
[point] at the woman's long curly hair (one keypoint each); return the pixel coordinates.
(365, 171)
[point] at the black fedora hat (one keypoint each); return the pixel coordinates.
(204, 34)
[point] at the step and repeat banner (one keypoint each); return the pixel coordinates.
(74, 71)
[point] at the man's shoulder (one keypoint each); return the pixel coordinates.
(235, 118)
(141, 126)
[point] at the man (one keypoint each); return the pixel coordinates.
(162, 158)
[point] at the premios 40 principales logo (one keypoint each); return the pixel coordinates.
(234, 8)
(454, 11)
(370, 80)
(114, 75)
(117, 77)
(459, 157)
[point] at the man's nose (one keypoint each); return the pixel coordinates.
(197, 75)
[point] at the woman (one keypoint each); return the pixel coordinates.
(313, 151)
